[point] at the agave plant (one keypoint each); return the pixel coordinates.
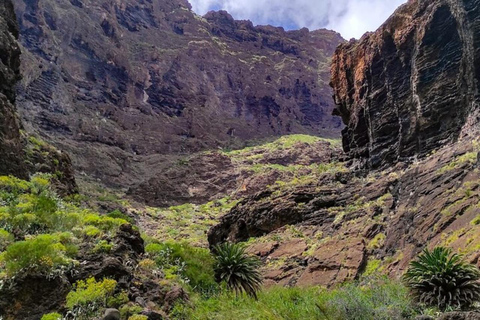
(443, 279)
(238, 269)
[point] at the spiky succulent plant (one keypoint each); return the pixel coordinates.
(237, 268)
(443, 279)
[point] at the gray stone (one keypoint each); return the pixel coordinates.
(111, 314)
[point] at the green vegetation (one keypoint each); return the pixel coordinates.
(42, 233)
(138, 317)
(182, 263)
(468, 157)
(442, 279)
(369, 299)
(475, 222)
(89, 296)
(189, 222)
(52, 316)
(239, 270)
(41, 254)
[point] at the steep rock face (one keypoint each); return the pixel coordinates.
(411, 86)
(139, 78)
(11, 147)
(21, 155)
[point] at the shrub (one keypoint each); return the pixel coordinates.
(238, 269)
(441, 278)
(117, 300)
(117, 214)
(191, 264)
(129, 309)
(88, 297)
(52, 316)
(103, 246)
(43, 253)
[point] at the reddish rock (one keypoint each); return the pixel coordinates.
(263, 249)
(290, 249)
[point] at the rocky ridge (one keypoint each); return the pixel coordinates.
(124, 85)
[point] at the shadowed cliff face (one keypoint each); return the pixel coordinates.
(139, 78)
(412, 86)
(21, 155)
(11, 147)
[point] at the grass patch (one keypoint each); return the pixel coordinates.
(370, 299)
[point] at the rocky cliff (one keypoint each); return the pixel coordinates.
(412, 86)
(409, 90)
(22, 155)
(117, 83)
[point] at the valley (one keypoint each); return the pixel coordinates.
(158, 164)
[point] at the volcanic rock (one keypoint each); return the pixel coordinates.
(408, 90)
(412, 86)
(117, 83)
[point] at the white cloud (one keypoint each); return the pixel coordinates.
(351, 18)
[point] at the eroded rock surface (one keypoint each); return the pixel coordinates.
(115, 83)
(412, 86)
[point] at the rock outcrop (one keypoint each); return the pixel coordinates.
(21, 155)
(405, 91)
(413, 85)
(117, 83)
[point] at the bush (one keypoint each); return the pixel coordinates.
(238, 269)
(117, 214)
(52, 316)
(442, 279)
(88, 297)
(117, 300)
(43, 253)
(192, 265)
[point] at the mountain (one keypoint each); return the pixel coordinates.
(123, 85)
(21, 154)
(409, 97)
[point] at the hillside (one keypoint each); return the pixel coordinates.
(124, 87)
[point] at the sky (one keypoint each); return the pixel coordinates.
(352, 18)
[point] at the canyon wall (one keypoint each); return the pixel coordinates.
(20, 154)
(412, 86)
(118, 83)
